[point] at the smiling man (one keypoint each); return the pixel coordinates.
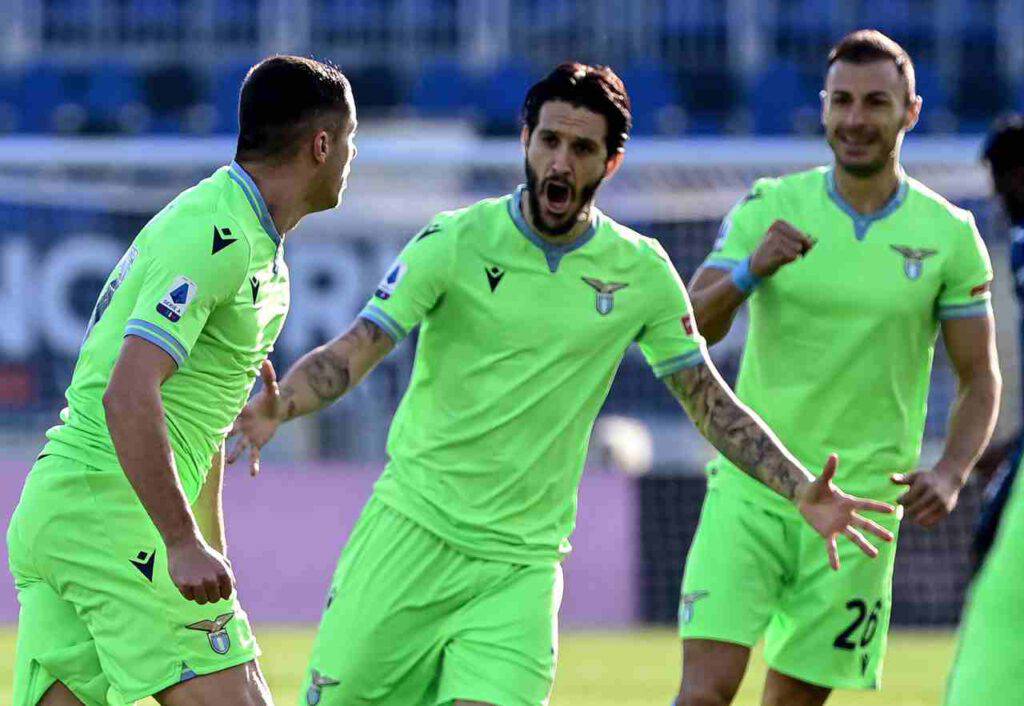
(851, 270)
(449, 587)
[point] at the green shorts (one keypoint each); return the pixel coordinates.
(989, 667)
(98, 609)
(411, 621)
(755, 572)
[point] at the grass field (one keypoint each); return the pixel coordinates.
(638, 668)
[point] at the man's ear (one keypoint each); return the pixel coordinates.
(524, 137)
(613, 164)
(321, 146)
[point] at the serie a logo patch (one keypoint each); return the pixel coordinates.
(387, 285)
(175, 303)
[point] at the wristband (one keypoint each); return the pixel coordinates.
(743, 278)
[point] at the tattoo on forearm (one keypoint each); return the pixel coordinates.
(328, 370)
(328, 375)
(732, 430)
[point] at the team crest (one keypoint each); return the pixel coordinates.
(605, 293)
(220, 641)
(318, 682)
(913, 259)
(686, 609)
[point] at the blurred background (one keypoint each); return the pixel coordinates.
(108, 108)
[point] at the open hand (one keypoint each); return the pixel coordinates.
(930, 495)
(832, 512)
(258, 420)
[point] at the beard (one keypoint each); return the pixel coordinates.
(571, 219)
(868, 169)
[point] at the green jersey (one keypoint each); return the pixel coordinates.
(518, 346)
(205, 280)
(839, 351)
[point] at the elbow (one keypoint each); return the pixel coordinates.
(117, 401)
(113, 401)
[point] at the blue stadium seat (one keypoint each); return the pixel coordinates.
(652, 91)
(777, 96)
(225, 84)
(111, 87)
(45, 87)
(802, 17)
(500, 96)
(709, 98)
(235, 20)
(442, 89)
(935, 114)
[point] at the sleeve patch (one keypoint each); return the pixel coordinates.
(175, 303)
(387, 285)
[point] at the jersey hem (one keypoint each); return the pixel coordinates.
(823, 681)
(158, 337)
(495, 556)
(379, 317)
(247, 656)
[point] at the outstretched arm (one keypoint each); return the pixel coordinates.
(749, 443)
(318, 379)
(736, 431)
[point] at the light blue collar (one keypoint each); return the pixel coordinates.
(552, 253)
(252, 193)
(863, 221)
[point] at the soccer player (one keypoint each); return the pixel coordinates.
(1004, 154)
(850, 271)
(117, 545)
(989, 667)
(449, 587)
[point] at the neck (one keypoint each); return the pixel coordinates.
(567, 238)
(868, 194)
(281, 190)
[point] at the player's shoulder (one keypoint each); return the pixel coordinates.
(929, 204)
(629, 244)
(199, 220)
(449, 226)
(803, 184)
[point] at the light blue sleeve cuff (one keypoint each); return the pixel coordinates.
(158, 337)
(384, 322)
(680, 362)
(964, 311)
(743, 278)
(720, 263)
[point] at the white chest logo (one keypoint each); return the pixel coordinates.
(913, 259)
(605, 293)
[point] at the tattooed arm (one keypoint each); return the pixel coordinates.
(326, 373)
(736, 431)
(749, 443)
(316, 380)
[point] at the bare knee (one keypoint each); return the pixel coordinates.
(712, 672)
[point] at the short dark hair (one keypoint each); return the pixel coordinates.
(595, 88)
(869, 45)
(281, 98)
(1004, 144)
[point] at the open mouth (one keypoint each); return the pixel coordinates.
(558, 195)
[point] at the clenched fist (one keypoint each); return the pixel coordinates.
(783, 243)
